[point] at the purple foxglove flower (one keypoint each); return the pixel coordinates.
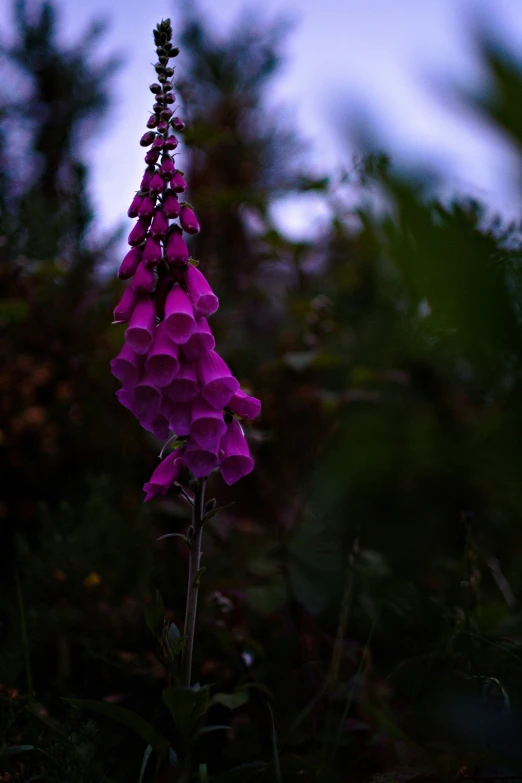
(145, 182)
(162, 361)
(152, 121)
(127, 366)
(129, 263)
(139, 232)
(177, 183)
(146, 208)
(158, 143)
(171, 206)
(157, 424)
(201, 341)
(143, 281)
(179, 315)
(163, 126)
(189, 221)
(185, 385)
(208, 425)
(125, 307)
(200, 293)
(216, 379)
(235, 459)
(152, 253)
(157, 184)
(147, 400)
(125, 398)
(142, 326)
(176, 251)
(244, 405)
(199, 460)
(151, 157)
(166, 114)
(147, 139)
(167, 168)
(171, 143)
(177, 124)
(159, 225)
(179, 415)
(132, 211)
(165, 475)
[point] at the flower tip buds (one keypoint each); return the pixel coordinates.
(147, 139)
(155, 88)
(157, 184)
(177, 124)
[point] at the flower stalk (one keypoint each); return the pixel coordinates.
(194, 575)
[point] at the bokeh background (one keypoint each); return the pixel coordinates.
(356, 171)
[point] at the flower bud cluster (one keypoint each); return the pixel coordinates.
(172, 379)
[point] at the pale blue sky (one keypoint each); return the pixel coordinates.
(384, 55)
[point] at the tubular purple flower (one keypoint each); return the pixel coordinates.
(244, 405)
(127, 366)
(200, 293)
(165, 475)
(129, 263)
(208, 425)
(125, 307)
(147, 399)
(139, 232)
(142, 326)
(189, 221)
(177, 183)
(199, 460)
(159, 225)
(171, 207)
(147, 139)
(125, 398)
(157, 424)
(176, 251)
(200, 341)
(179, 315)
(217, 381)
(179, 415)
(143, 281)
(235, 459)
(162, 361)
(146, 208)
(132, 211)
(157, 184)
(171, 143)
(152, 253)
(167, 168)
(184, 387)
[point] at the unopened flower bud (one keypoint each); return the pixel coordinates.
(155, 88)
(169, 72)
(163, 126)
(176, 251)
(177, 183)
(147, 139)
(146, 208)
(152, 121)
(143, 280)
(132, 211)
(129, 263)
(145, 182)
(177, 124)
(151, 157)
(173, 51)
(152, 253)
(171, 206)
(125, 307)
(160, 98)
(166, 114)
(159, 68)
(188, 220)
(159, 225)
(158, 143)
(167, 167)
(139, 232)
(171, 143)
(167, 85)
(157, 184)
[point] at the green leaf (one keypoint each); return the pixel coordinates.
(188, 707)
(155, 614)
(146, 756)
(129, 719)
(231, 700)
(17, 749)
(203, 774)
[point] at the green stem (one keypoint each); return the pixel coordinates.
(198, 511)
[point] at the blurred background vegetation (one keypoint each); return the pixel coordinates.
(366, 581)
